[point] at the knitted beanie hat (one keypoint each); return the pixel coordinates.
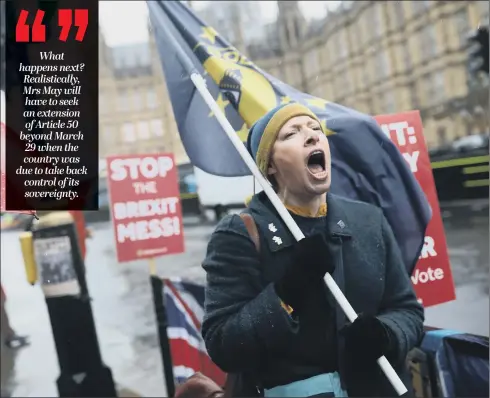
(263, 133)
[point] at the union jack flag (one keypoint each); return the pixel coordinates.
(184, 304)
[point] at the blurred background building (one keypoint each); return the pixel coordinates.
(385, 57)
(135, 114)
(375, 56)
(238, 21)
(135, 111)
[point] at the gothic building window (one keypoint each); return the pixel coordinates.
(156, 127)
(128, 132)
(151, 98)
(419, 6)
(439, 86)
(288, 37)
(137, 103)
(407, 56)
(388, 101)
(428, 42)
(414, 98)
(377, 15)
(343, 44)
(462, 25)
(143, 130)
(483, 11)
(122, 101)
(297, 32)
(434, 88)
(107, 135)
(398, 13)
(382, 63)
(442, 136)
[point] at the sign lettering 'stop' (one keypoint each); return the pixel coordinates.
(137, 168)
(145, 206)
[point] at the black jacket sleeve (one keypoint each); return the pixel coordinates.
(400, 310)
(242, 321)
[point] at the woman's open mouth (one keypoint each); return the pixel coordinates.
(316, 164)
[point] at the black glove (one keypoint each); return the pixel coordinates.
(367, 339)
(311, 261)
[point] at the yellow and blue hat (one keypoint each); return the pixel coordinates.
(264, 131)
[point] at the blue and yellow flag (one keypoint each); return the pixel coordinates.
(366, 165)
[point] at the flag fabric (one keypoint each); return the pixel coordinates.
(366, 165)
(184, 306)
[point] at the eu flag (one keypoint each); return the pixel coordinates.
(366, 165)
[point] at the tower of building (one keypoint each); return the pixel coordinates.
(291, 24)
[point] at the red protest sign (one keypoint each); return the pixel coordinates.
(432, 277)
(145, 205)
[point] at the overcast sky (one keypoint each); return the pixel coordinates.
(134, 14)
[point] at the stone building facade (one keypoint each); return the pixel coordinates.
(387, 56)
(375, 56)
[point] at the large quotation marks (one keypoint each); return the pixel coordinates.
(66, 19)
(38, 29)
(66, 22)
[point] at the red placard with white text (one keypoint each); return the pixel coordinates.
(145, 206)
(432, 277)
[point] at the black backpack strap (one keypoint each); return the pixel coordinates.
(230, 384)
(236, 381)
(240, 385)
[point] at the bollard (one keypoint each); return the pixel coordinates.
(28, 256)
(161, 318)
(61, 272)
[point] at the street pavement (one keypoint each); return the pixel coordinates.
(123, 307)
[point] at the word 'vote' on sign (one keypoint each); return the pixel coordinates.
(145, 206)
(432, 278)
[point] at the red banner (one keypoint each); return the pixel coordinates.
(145, 206)
(432, 278)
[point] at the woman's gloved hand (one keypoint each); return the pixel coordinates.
(367, 339)
(311, 261)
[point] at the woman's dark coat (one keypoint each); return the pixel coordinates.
(245, 328)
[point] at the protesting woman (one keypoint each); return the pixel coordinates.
(269, 316)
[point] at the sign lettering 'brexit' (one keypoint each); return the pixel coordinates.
(145, 206)
(432, 278)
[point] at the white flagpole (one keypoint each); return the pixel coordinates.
(200, 85)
